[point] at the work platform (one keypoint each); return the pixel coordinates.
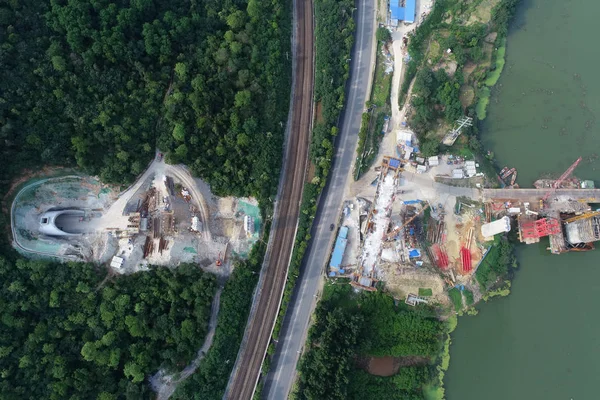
(589, 195)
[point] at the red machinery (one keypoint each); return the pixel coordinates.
(540, 228)
(219, 262)
(465, 257)
(560, 180)
(441, 258)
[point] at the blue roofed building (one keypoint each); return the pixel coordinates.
(339, 248)
(402, 10)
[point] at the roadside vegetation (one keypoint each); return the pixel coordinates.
(350, 327)
(68, 332)
(333, 24)
(373, 121)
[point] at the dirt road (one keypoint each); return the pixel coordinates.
(262, 317)
(165, 385)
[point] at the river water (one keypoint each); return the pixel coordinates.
(542, 341)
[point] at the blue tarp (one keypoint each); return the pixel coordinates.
(394, 163)
(409, 11)
(412, 231)
(409, 202)
(343, 232)
(340, 248)
(396, 11)
(414, 253)
(332, 274)
(406, 13)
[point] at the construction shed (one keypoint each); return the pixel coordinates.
(394, 163)
(339, 248)
(404, 137)
(402, 10)
(116, 262)
(458, 174)
(495, 227)
(433, 161)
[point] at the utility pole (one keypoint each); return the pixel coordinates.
(463, 121)
(451, 136)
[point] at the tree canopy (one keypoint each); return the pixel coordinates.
(104, 83)
(67, 334)
(348, 327)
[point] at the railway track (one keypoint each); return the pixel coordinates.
(260, 323)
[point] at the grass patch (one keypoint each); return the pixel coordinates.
(373, 121)
(484, 99)
(467, 95)
(468, 297)
(382, 84)
(494, 75)
(425, 292)
(456, 298)
(435, 51)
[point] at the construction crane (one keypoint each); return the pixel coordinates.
(560, 180)
(582, 216)
(395, 231)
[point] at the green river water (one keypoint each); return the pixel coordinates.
(542, 341)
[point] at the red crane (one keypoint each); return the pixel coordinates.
(560, 180)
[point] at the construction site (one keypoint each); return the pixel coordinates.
(166, 217)
(408, 234)
(403, 228)
(558, 209)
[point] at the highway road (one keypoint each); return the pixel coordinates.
(293, 333)
(267, 300)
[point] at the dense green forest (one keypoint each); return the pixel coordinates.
(67, 333)
(103, 83)
(348, 326)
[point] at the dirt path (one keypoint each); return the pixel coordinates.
(165, 385)
(181, 173)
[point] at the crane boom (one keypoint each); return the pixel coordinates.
(560, 180)
(398, 229)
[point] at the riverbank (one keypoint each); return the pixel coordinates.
(542, 117)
